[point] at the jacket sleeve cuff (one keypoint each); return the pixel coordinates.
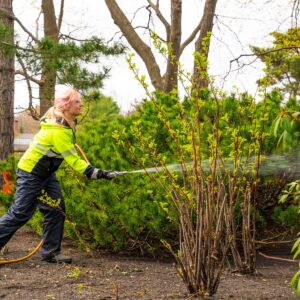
(89, 171)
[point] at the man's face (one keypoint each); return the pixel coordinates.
(75, 107)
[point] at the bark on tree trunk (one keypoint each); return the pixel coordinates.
(206, 27)
(48, 77)
(142, 49)
(171, 76)
(7, 86)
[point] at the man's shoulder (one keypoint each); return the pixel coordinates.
(55, 123)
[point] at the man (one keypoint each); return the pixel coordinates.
(36, 181)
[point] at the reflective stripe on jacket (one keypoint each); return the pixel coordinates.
(54, 143)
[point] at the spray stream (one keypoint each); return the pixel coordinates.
(270, 165)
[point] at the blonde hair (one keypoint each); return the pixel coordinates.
(61, 103)
(63, 98)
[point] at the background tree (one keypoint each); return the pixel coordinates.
(6, 80)
(173, 39)
(282, 62)
(57, 58)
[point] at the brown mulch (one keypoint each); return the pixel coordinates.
(98, 276)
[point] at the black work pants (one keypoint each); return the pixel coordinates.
(29, 189)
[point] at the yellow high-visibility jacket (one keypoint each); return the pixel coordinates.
(54, 143)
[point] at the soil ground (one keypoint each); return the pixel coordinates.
(98, 276)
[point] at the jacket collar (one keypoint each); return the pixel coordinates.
(58, 120)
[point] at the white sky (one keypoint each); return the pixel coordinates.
(241, 23)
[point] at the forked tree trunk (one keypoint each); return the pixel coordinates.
(7, 84)
(173, 29)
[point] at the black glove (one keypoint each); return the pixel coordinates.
(94, 173)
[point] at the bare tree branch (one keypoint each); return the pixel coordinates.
(161, 17)
(149, 19)
(61, 14)
(191, 37)
(27, 76)
(264, 53)
(37, 25)
(135, 13)
(256, 57)
(143, 50)
(295, 12)
(10, 15)
(27, 80)
(234, 33)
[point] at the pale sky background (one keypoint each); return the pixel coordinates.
(240, 23)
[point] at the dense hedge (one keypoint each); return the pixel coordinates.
(131, 212)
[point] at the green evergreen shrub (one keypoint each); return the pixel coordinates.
(125, 211)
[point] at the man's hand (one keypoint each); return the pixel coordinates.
(94, 173)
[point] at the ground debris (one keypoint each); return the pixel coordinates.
(109, 276)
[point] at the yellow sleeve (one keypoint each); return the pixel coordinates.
(64, 145)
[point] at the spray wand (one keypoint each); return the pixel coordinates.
(271, 164)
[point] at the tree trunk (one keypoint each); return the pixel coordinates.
(142, 49)
(169, 80)
(48, 77)
(7, 85)
(171, 76)
(202, 44)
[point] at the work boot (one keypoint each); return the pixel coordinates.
(58, 258)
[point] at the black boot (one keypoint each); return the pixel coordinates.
(58, 258)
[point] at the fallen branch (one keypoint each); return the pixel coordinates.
(274, 242)
(278, 258)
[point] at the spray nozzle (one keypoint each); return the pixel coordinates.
(113, 174)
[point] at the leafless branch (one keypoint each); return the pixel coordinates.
(234, 33)
(295, 12)
(26, 75)
(149, 19)
(135, 13)
(265, 52)
(37, 25)
(225, 44)
(33, 112)
(113, 37)
(239, 18)
(160, 15)
(69, 37)
(143, 50)
(26, 78)
(8, 14)
(256, 57)
(190, 38)
(61, 14)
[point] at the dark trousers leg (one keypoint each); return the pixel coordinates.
(27, 190)
(54, 218)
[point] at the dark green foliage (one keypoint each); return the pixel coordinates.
(112, 214)
(132, 210)
(288, 216)
(69, 59)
